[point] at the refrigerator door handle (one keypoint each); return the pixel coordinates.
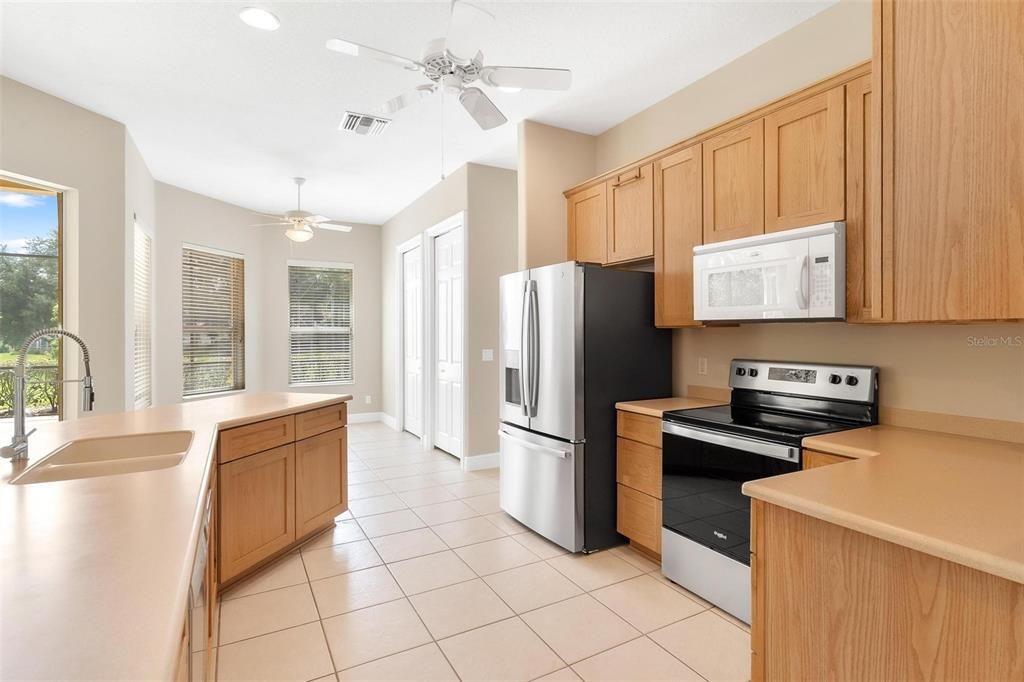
(524, 341)
(534, 348)
(561, 454)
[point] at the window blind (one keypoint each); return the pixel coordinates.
(213, 322)
(143, 316)
(320, 323)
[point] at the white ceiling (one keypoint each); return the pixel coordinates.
(222, 109)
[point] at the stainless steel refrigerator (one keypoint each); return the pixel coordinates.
(575, 339)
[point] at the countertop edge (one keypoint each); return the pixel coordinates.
(984, 562)
(181, 603)
(638, 407)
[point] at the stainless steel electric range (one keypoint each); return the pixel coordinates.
(708, 454)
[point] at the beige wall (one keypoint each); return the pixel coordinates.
(361, 249)
(488, 197)
(827, 43)
(48, 140)
(549, 159)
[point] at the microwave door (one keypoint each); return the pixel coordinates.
(762, 283)
(512, 377)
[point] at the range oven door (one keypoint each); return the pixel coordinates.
(702, 473)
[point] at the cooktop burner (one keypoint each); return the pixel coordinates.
(756, 423)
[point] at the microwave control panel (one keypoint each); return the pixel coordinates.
(826, 277)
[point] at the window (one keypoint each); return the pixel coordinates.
(212, 321)
(320, 323)
(143, 316)
(30, 295)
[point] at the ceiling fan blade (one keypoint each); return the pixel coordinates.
(317, 219)
(526, 77)
(351, 49)
(466, 27)
(335, 227)
(481, 108)
(269, 215)
(396, 104)
(269, 224)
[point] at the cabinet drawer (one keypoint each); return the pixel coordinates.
(640, 428)
(814, 459)
(639, 518)
(252, 438)
(638, 466)
(320, 420)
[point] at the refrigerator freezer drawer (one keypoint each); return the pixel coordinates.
(540, 481)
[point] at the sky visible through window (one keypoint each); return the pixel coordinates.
(24, 216)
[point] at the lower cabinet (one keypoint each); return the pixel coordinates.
(257, 508)
(639, 518)
(321, 480)
(638, 475)
(270, 500)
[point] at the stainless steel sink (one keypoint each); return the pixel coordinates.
(92, 457)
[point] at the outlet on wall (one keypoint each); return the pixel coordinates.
(702, 366)
(369, 399)
(487, 355)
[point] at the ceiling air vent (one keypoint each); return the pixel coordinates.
(363, 124)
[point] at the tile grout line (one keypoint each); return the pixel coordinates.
(316, 605)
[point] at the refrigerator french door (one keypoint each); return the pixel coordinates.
(574, 340)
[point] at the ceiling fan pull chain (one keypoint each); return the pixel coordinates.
(442, 133)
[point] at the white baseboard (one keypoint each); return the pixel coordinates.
(388, 420)
(478, 462)
(363, 417)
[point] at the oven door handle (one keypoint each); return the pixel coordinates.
(758, 447)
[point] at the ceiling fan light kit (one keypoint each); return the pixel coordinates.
(299, 234)
(454, 63)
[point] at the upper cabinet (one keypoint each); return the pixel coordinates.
(678, 224)
(587, 221)
(947, 78)
(631, 215)
(734, 183)
(804, 156)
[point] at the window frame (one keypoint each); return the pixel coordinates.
(188, 246)
(332, 265)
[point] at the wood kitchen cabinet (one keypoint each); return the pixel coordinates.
(638, 479)
(950, 110)
(734, 183)
(257, 509)
(321, 480)
(804, 157)
(631, 215)
(678, 227)
(587, 222)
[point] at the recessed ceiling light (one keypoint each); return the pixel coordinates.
(506, 88)
(260, 18)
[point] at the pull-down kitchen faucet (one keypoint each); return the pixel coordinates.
(18, 449)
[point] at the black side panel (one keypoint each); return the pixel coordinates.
(625, 358)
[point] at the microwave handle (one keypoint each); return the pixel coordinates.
(801, 287)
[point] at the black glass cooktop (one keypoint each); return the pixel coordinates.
(754, 423)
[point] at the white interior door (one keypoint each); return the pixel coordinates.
(412, 340)
(448, 323)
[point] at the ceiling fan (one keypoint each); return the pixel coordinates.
(455, 62)
(300, 223)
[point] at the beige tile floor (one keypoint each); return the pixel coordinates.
(426, 579)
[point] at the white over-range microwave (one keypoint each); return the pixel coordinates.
(792, 275)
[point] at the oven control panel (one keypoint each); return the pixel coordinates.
(834, 382)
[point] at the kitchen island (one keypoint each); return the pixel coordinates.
(96, 571)
(906, 562)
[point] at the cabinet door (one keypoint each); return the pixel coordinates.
(734, 183)
(804, 157)
(948, 77)
(868, 295)
(257, 508)
(639, 518)
(678, 227)
(588, 224)
(638, 466)
(321, 480)
(631, 215)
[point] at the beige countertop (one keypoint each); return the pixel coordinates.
(95, 571)
(655, 408)
(954, 497)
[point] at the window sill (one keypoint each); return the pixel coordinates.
(218, 394)
(322, 384)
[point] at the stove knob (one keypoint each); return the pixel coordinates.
(752, 372)
(835, 379)
(741, 372)
(851, 380)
